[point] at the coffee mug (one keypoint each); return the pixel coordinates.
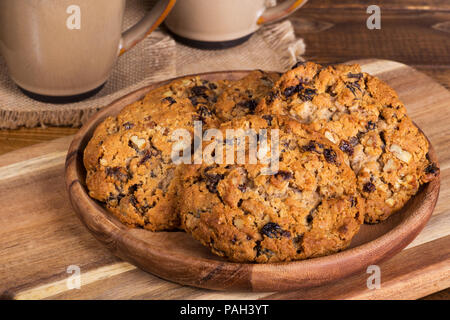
(64, 50)
(223, 23)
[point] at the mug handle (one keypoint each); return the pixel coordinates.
(147, 25)
(280, 11)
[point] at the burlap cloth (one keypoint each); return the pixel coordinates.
(159, 57)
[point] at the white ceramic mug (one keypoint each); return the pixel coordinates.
(223, 23)
(61, 48)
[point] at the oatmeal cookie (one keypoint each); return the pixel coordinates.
(308, 208)
(365, 118)
(128, 159)
(240, 98)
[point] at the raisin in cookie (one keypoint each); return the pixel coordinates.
(199, 94)
(240, 98)
(128, 159)
(308, 208)
(365, 118)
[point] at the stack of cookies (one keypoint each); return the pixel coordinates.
(348, 154)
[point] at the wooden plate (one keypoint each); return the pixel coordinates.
(177, 257)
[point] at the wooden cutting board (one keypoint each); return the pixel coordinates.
(41, 236)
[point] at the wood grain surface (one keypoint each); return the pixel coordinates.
(414, 32)
(42, 236)
(324, 24)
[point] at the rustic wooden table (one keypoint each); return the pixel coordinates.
(414, 32)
